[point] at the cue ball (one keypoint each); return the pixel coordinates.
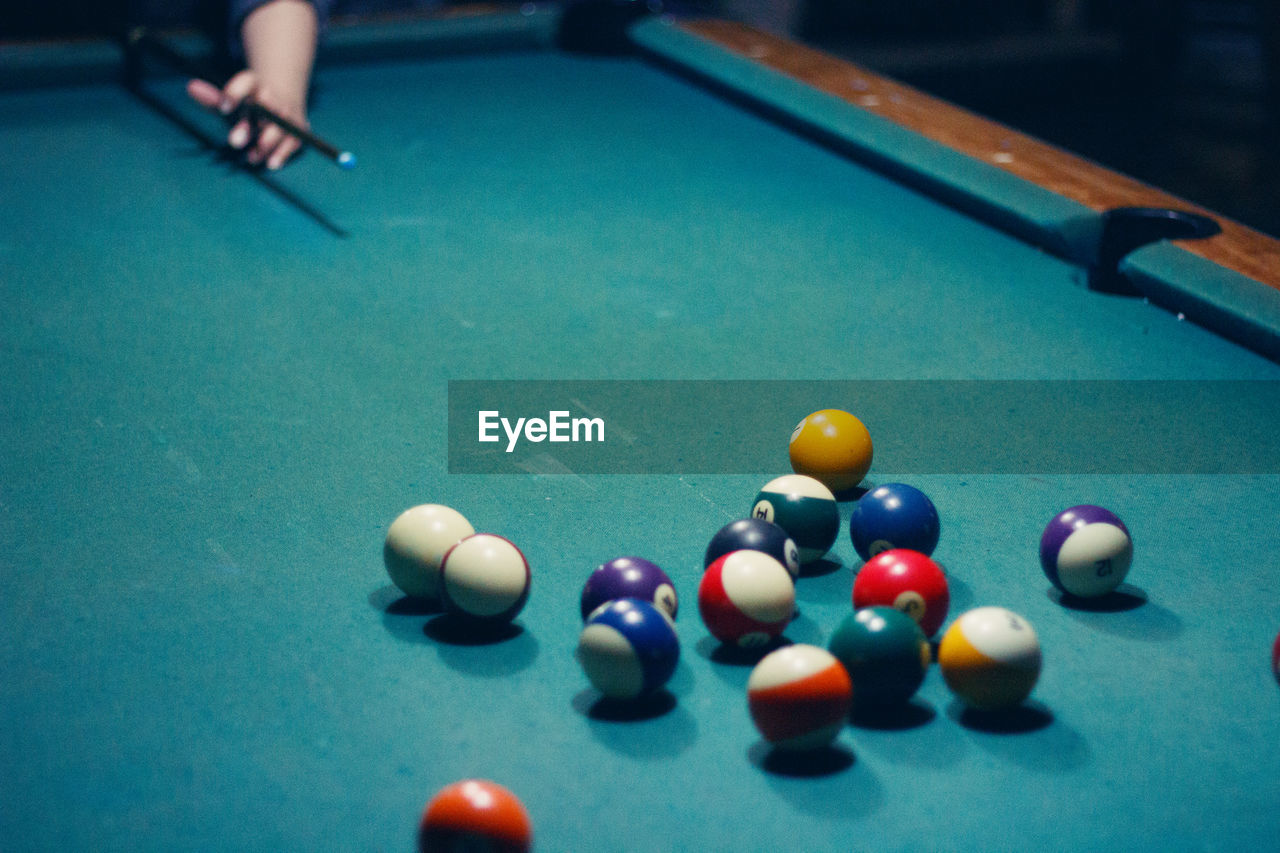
(908, 581)
(831, 446)
(805, 509)
(990, 658)
(746, 599)
(894, 515)
(628, 648)
(886, 655)
(484, 577)
(1085, 551)
(628, 577)
(799, 697)
(754, 534)
(415, 546)
(475, 814)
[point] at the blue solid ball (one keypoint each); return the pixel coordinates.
(894, 515)
(628, 648)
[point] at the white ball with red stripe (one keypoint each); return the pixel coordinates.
(485, 577)
(746, 598)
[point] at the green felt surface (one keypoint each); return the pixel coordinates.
(216, 397)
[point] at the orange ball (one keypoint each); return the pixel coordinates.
(831, 446)
(475, 815)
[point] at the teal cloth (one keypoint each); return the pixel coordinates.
(219, 389)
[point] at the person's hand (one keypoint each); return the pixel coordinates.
(262, 141)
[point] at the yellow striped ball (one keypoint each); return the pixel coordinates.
(990, 658)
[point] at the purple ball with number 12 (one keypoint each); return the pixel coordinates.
(1085, 551)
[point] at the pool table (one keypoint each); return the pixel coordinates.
(220, 387)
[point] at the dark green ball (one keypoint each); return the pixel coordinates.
(886, 654)
(805, 509)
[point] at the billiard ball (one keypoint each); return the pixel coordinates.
(628, 648)
(799, 697)
(908, 581)
(415, 546)
(484, 577)
(746, 598)
(832, 446)
(893, 515)
(886, 655)
(1275, 658)
(1085, 551)
(990, 658)
(475, 814)
(754, 534)
(628, 577)
(805, 509)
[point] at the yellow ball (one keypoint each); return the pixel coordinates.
(990, 658)
(833, 447)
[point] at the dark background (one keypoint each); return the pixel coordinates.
(1182, 94)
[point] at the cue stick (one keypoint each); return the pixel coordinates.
(140, 37)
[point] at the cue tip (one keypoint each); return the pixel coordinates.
(347, 160)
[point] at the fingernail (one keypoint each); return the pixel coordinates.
(239, 136)
(226, 106)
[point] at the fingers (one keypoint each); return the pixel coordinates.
(227, 99)
(288, 147)
(239, 89)
(266, 143)
(205, 94)
(241, 134)
(270, 137)
(273, 147)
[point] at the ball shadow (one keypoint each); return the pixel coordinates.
(391, 601)
(650, 728)
(593, 705)
(1022, 719)
(800, 764)
(912, 714)
(457, 630)
(1120, 600)
(723, 653)
(406, 606)
(854, 492)
(962, 597)
(820, 568)
(402, 616)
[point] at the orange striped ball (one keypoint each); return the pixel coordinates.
(800, 697)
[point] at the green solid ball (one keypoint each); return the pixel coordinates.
(886, 654)
(805, 509)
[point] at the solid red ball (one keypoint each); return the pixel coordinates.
(906, 580)
(475, 814)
